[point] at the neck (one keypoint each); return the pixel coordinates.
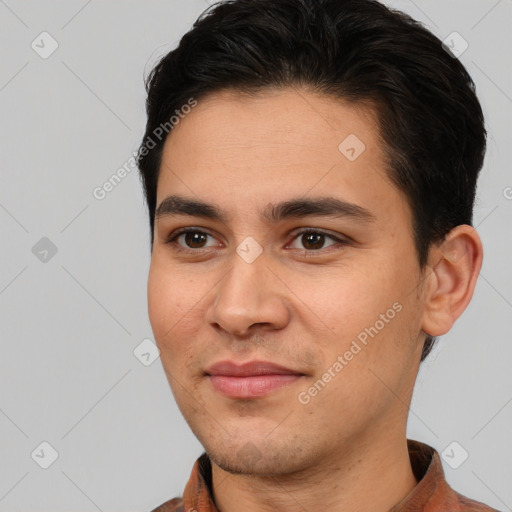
(365, 476)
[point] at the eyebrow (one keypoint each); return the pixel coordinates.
(273, 213)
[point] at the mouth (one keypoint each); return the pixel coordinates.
(250, 380)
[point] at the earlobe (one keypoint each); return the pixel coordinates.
(455, 265)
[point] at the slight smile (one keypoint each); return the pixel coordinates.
(250, 380)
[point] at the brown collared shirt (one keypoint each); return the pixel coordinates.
(431, 494)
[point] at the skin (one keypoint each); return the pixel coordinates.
(300, 311)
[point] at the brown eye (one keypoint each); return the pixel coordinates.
(314, 240)
(195, 239)
(189, 239)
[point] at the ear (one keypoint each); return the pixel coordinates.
(451, 278)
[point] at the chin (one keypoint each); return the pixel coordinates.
(260, 458)
(247, 460)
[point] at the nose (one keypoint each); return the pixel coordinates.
(249, 295)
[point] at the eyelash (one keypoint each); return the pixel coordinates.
(173, 237)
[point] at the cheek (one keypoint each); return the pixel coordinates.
(173, 308)
(344, 303)
(368, 314)
(367, 378)
(160, 301)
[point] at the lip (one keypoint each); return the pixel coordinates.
(249, 369)
(250, 380)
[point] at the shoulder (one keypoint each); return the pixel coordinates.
(468, 505)
(174, 505)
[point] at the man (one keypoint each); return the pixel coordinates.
(310, 169)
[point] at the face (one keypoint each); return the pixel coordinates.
(338, 307)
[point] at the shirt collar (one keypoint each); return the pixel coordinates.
(431, 494)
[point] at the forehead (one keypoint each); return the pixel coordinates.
(241, 149)
(277, 116)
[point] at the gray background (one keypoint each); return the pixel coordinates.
(70, 323)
